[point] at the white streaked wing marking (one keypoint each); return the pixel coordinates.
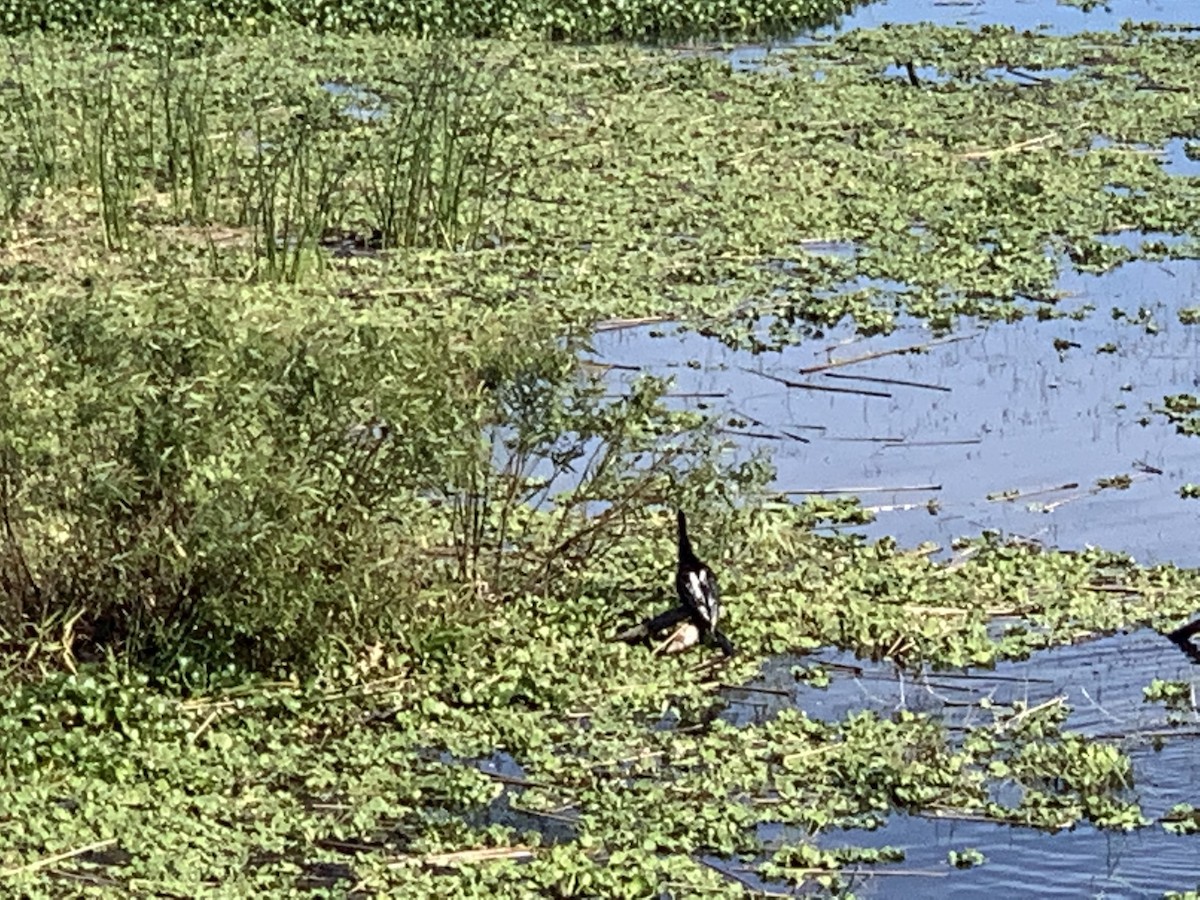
(702, 593)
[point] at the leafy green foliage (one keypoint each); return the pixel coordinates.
(1182, 409)
(281, 779)
(602, 173)
(1175, 695)
(966, 859)
(563, 19)
(385, 477)
(248, 477)
(1182, 819)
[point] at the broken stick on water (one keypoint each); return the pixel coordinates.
(878, 354)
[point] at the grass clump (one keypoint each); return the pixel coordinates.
(167, 136)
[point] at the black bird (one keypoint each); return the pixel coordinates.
(1182, 638)
(697, 589)
(1185, 633)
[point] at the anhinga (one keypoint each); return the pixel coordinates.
(696, 586)
(699, 608)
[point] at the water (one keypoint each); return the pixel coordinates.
(1038, 412)
(1033, 15)
(998, 409)
(1009, 427)
(997, 412)
(359, 103)
(1044, 16)
(1102, 682)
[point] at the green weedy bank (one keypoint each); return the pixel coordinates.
(365, 781)
(572, 20)
(280, 509)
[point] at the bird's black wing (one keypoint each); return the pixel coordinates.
(698, 591)
(1186, 632)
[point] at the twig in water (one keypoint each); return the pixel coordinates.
(749, 885)
(1029, 76)
(553, 817)
(464, 857)
(58, 857)
(761, 424)
(620, 367)
(879, 354)
(775, 692)
(1025, 713)
(208, 720)
(796, 437)
(918, 873)
(619, 324)
(961, 443)
(1019, 494)
(760, 435)
(870, 490)
(511, 779)
(896, 507)
(804, 385)
(1031, 144)
(1112, 589)
(681, 395)
(898, 381)
(1051, 507)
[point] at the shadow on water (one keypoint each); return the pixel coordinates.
(1009, 427)
(1102, 682)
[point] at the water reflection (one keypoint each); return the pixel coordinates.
(1034, 15)
(1102, 682)
(1038, 412)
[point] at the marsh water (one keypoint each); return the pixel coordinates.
(1102, 683)
(995, 427)
(1013, 427)
(1036, 15)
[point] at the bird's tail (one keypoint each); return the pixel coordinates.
(724, 643)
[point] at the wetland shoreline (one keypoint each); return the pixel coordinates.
(346, 424)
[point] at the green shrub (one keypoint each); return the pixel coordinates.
(243, 476)
(185, 468)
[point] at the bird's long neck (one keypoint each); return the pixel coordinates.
(686, 554)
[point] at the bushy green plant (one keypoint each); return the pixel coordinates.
(178, 468)
(251, 476)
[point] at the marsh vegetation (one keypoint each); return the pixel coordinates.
(321, 496)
